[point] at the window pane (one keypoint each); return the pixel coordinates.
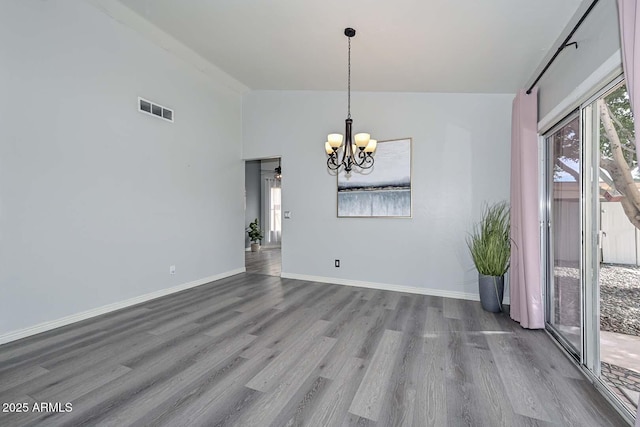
(565, 232)
(619, 273)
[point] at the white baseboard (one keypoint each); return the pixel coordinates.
(53, 324)
(262, 247)
(383, 286)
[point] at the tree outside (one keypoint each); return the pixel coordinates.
(618, 159)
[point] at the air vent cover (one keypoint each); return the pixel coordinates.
(155, 110)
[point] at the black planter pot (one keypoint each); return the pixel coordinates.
(491, 292)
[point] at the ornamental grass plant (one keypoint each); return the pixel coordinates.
(489, 241)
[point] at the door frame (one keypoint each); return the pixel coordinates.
(282, 200)
(549, 232)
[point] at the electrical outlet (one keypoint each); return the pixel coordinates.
(337, 263)
(172, 269)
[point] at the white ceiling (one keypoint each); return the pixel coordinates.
(484, 46)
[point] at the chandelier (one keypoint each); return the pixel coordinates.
(350, 154)
(278, 171)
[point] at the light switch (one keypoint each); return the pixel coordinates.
(287, 214)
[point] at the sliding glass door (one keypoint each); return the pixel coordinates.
(564, 178)
(616, 198)
(592, 242)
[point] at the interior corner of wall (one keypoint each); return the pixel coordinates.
(132, 20)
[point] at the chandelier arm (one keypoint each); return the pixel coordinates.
(367, 166)
(344, 159)
(346, 153)
(361, 157)
(331, 163)
(367, 163)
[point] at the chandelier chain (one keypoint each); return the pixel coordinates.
(349, 82)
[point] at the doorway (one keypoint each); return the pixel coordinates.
(263, 202)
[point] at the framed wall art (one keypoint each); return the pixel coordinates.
(382, 191)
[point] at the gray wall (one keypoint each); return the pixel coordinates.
(460, 159)
(96, 199)
(268, 165)
(598, 39)
(253, 195)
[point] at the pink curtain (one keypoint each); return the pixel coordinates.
(524, 277)
(629, 14)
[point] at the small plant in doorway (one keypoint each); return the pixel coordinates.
(255, 235)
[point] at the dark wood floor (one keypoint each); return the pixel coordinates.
(257, 350)
(265, 261)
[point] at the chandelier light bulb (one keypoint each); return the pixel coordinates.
(327, 147)
(371, 146)
(335, 140)
(362, 139)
